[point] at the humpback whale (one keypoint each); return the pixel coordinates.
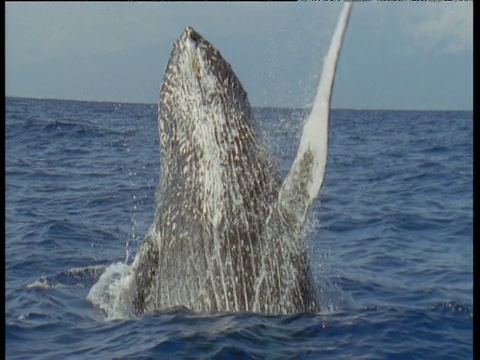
(228, 234)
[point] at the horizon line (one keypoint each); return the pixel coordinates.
(253, 106)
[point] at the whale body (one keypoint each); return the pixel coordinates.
(228, 234)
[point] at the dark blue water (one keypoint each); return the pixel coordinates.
(391, 238)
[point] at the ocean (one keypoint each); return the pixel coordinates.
(390, 237)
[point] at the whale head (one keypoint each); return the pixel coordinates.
(202, 103)
(211, 153)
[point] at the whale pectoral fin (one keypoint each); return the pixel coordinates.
(294, 197)
(145, 269)
(305, 179)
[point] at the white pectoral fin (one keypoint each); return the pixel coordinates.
(305, 179)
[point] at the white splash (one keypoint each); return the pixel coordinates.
(111, 293)
(45, 284)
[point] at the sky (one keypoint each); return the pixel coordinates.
(396, 55)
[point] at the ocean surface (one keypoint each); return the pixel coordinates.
(390, 237)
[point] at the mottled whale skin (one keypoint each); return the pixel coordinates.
(227, 234)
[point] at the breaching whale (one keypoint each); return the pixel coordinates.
(228, 234)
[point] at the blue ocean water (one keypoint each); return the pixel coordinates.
(390, 240)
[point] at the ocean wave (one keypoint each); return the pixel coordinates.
(74, 277)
